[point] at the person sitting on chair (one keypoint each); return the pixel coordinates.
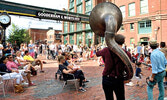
(66, 71)
(12, 66)
(33, 61)
(23, 64)
(72, 66)
(7, 74)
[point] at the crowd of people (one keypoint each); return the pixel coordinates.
(19, 62)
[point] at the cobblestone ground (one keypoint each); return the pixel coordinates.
(48, 88)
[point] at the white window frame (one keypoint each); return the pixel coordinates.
(143, 6)
(122, 8)
(132, 9)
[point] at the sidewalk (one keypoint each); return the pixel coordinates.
(50, 89)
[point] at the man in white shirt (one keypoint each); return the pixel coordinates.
(52, 47)
(1, 50)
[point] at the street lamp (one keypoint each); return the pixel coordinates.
(156, 32)
(5, 21)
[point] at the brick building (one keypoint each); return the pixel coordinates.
(54, 36)
(76, 33)
(143, 20)
(41, 34)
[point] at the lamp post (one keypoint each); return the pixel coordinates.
(5, 21)
(156, 32)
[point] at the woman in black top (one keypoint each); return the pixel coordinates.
(3, 67)
(65, 72)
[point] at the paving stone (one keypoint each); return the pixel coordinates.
(50, 89)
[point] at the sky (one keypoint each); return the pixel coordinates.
(28, 22)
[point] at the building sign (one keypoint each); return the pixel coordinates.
(46, 15)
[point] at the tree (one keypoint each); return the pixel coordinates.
(18, 35)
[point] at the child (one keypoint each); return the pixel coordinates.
(138, 73)
(141, 59)
(133, 58)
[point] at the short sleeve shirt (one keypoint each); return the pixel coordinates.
(112, 60)
(28, 58)
(31, 50)
(61, 68)
(66, 63)
(139, 49)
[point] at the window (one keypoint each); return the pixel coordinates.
(87, 26)
(65, 27)
(79, 9)
(122, 27)
(71, 3)
(71, 27)
(145, 27)
(132, 40)
(79, 26)
(72, 10)
(132, 9)
(88, 13)
(88, 7)
(145, 24)
(131, 26)
(142, 25)
(143, 6)
(122, 8)
(148, 23)
(79, 1)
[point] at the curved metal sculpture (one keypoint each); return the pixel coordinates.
(105, 20)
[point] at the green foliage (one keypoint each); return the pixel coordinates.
(19, 35)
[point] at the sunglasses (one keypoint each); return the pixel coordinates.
(10, 57)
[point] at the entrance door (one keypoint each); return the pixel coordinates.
(144, 40)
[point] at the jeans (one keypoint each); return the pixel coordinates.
(111, 85)
(158, 79)
(79, 75)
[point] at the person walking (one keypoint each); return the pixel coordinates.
(113, 80)
(158, 62)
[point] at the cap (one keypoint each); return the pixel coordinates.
(153, 43)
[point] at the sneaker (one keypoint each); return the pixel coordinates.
(83, 85)
(24, 84)
(31, 84)
(86, 81)
(42, 71)
(82, 90)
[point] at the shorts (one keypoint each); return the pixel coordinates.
(33, 63)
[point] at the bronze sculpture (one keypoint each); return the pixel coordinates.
(105, 20)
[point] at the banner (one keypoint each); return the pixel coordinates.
(46, 15)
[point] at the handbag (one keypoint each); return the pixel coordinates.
(18, 88)
(33, 71)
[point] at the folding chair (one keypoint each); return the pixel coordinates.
(2, 85)
(58, 73)
(72, 79)
(6, 81)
